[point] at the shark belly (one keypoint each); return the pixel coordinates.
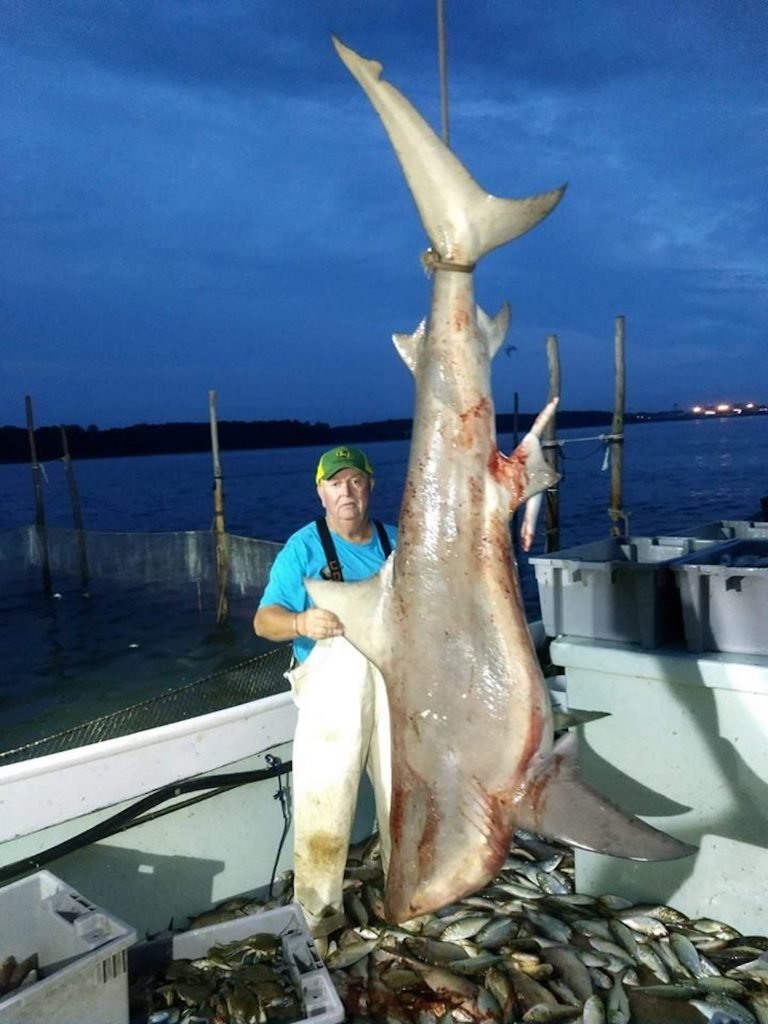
(463, 681)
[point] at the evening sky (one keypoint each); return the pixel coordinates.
(198, 195)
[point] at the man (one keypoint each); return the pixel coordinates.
(343, 723)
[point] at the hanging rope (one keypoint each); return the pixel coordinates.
(575, 440)
(443, 71)
(605, 443)
(620, 515)
(606, 440)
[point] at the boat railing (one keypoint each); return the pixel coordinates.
(253, 679)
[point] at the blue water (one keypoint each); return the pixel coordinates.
(674, 473)
(67, 660)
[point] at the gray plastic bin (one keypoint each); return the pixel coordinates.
(724, 597)
(726, 529)
(619, 589)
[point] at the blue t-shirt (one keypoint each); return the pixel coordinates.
(303, 556)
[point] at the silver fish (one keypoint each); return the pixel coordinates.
(618, 1003)
(649, 958)
(594, 1011)
(444, 619)
(345, 956)
(465, 927)
(723, 1010)
(497, 932)
(716, 928)
(756, 969)
(758, 1002)
(571, 970)
(644, 924)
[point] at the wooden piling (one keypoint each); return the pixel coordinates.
(222, 557)
(551, 450)
(616, 511)
(77, 513)
(37, 477)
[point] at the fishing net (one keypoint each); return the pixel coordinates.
(254, 679)
(106, 634)
(185, 562)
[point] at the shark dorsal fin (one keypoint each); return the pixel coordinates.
(494, 328)
(410, 346)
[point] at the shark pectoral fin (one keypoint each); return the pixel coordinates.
(494, 329)
(410, 346)
(359, 606)
(526, 472)
(557, 804)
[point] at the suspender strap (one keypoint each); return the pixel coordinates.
(329, 547)
(386, 547)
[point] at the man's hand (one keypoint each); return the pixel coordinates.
(319, 624)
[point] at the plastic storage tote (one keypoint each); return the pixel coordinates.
(725, 529)
(81, 951)
(311, 980)
(724, 597)
(620, 589)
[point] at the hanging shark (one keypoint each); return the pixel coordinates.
(473, 751)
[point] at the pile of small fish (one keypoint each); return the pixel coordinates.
(526, 948)
(240, 982)
(15, 974)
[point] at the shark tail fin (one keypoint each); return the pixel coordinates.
(558, 804)
(502, 220)
(462, 220)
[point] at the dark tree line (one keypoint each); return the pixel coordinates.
(171, 438)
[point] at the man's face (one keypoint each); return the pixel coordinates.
(346, 495)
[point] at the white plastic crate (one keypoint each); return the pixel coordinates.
(724, 596)
(619, 589)
(81, 949)
(322, 1004)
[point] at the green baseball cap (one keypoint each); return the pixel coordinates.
(341, 458)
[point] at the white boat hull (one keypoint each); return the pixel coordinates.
(45, 791)
(171, 864)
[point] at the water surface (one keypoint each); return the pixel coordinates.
(70, 658)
